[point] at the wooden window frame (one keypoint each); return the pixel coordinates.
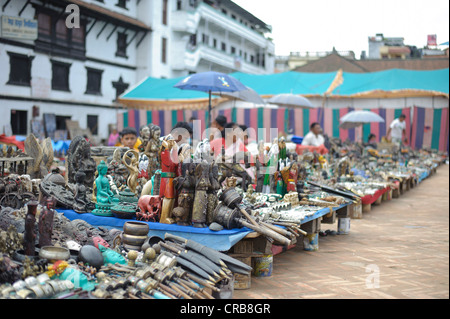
(56, 82)
(89, 89)
(12, 78)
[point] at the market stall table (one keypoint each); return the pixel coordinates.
(218, 240)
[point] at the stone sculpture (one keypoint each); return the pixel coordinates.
(79, 159)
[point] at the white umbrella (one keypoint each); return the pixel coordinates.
(248, 95)
(291, 100)
(357, 118)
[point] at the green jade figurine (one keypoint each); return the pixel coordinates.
(105, 197)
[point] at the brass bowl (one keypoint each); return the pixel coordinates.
(136, 228)
(133, 240)
(53, 253)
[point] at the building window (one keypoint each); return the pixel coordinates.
(233, 50)
(54, 38)
(92, 124)
(44, 24)
(94, 81)
(179, 5)
(193, 40)
(121, 45)
(122, 4)
(224, 47)
(164, 50)
(252, 59)
(224, 11)
(215, 43)
(19, 120)
(62, 32)
(205, 38)
(60, 76)
(20, 69)
(60, 121)
(164, 12)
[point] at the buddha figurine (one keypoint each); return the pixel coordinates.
(82, 203)
(105, 197)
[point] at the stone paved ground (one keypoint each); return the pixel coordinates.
(404, 243)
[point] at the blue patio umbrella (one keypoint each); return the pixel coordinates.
(211, 82)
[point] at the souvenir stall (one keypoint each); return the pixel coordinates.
(172, 220)
(120, 223)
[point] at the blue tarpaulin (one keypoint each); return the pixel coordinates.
(396, 82)
(61, 146)
(219, 240)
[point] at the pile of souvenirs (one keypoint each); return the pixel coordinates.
(45, 255)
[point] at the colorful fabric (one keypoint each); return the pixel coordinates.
(425, 127)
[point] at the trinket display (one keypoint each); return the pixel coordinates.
(46, 255)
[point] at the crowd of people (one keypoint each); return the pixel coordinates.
(238, 139)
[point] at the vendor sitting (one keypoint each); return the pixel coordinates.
(128, 138)
(314, 137)
(371, 141)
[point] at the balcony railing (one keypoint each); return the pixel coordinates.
(193, 56)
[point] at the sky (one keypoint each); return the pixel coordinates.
(320, 25)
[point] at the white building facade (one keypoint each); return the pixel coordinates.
(52, 69)
(190, 36)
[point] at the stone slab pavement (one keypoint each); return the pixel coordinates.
(398, 250)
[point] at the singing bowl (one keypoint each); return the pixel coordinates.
(133, 240)
(136, 228)
(53, 253)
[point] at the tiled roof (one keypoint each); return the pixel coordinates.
(334, 62)
(93, 8)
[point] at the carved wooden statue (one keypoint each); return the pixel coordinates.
(212, 192)
(152, 149)
(46, 223)
(30, 233)
(185, 187)
(202, 184)
(169, 166)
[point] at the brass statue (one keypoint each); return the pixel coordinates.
(132, 181)
(152, 149)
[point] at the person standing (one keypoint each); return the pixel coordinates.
(397, 129)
